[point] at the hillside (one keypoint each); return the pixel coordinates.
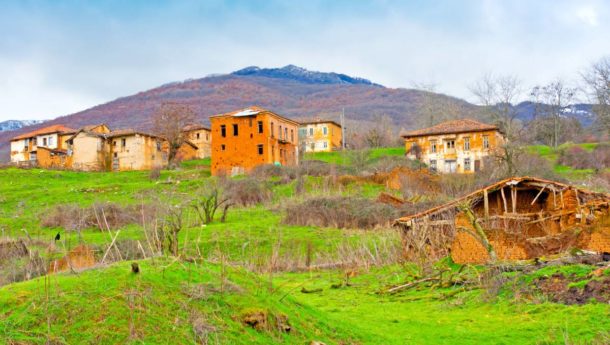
(291, 91)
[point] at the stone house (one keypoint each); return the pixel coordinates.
(457, 146)
(320, 136)
(243, 139)
(201, 136)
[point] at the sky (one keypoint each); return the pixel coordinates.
(59, 57)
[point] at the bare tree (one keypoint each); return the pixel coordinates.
(497, 95)
(169, 121)
(434, 108)
(597, 80)
(550, 100)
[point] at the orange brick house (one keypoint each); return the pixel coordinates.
(45, 147)
(457, 146)
(522, 218)
(253, 136)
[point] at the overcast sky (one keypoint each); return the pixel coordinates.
(59, 57)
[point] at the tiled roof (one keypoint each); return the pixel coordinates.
(253, 110)
(128, 131)
(451, 127)
(194, 127)
(46, 130)
(315, 122)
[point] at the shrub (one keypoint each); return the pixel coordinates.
(248, 191)
(575, 157)
(340, 212)
(601, 156)
(155, 174)
(99, 215)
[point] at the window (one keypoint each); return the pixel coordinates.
(433, 164)
(114, 143)
(260, 149)
(466, 144)
(279, 134)
(311, 131)
(123, 142)
(25, 143)
(197, 135)
(207, 136)
(325, 130)
(222, 147)
(292, 135)
(467, 164)
(158, 145)
(325, 144)
(313, 146)
(433, 146)
(485, 141)
(34, 141)
(223, 131)
(450, 144)
(285, 133)
(115, 155)
(260, 126)
(50, 141)
(272, 129)
(44, 141)
(235, 130)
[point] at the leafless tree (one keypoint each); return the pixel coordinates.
(435, 108)
(169, 121)
(597, 80)
(497, 96)
(550, 99)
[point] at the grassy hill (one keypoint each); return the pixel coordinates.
(246, 280)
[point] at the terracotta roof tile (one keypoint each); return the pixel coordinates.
(46, 130)
(451, 127)
(253, 110)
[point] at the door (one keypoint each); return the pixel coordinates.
(450, 166)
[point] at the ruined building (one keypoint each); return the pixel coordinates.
(249, 137)
(457, 146)
(521, 218)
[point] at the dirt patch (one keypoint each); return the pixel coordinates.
(262, 320)
(560, 289)
(80, 257)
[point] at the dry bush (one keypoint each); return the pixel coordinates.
(601, 156)
(456, 185)
(536, 166)
(340, 212)
(155, 174)
(103, 216)
(266, 171)
(315, 168)
(248, 191)
(575, 157)
(389, 163)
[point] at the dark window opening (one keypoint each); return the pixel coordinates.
(235, 130)
(260, 149)
(197, 135)
(222, 147)
(260, 126)
(123, 142)
(272, 129)
(292, 135)
(223, 131)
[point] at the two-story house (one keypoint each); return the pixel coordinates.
(50, 139)
(457, 146)
(320, 136)
(249, 137)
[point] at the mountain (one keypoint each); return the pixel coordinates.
(291, 91)
(11, 125)
(580, 111)
(292, 72)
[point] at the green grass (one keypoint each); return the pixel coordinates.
(111, 305)
(552, 154)
(343, 157)
(160, 305)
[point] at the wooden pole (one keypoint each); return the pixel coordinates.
(486, 202)
(504, 200)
